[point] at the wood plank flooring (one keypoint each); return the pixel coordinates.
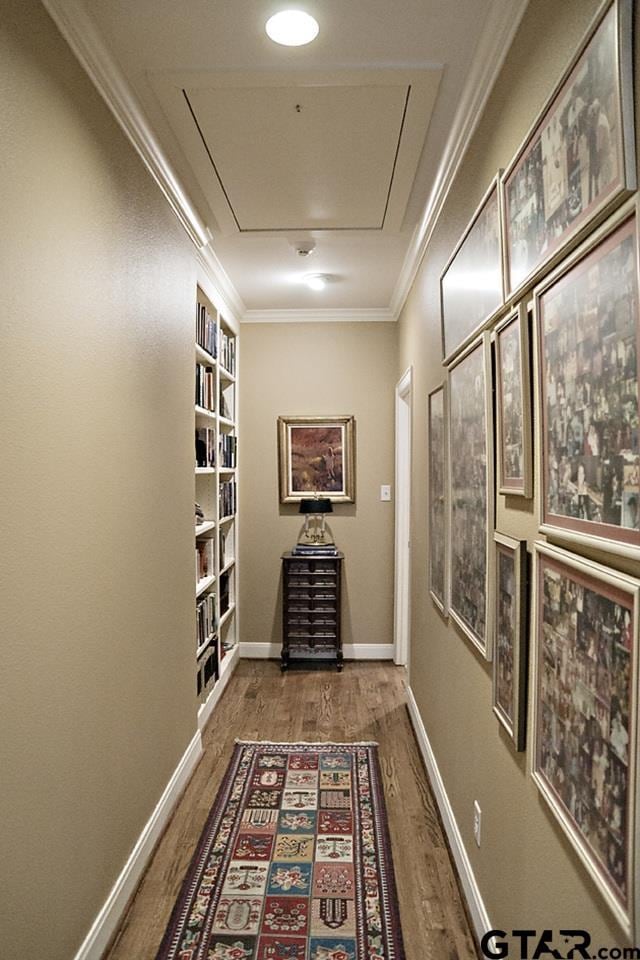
(365, 702)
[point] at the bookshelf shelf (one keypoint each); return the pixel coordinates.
(204, 413)
(203, 585)
(204, 528)
(226, 615)
(215, 492)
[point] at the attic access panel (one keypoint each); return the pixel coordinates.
(312, 151)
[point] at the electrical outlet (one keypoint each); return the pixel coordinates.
(477, 821)
(385, 492)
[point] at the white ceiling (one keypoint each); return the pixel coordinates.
(352, 168)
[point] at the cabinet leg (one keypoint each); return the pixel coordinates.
(339, 661)
(284, 662)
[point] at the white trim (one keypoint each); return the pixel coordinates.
(207, 707)
(351, 651)
(473, 896)
(402, 555)
(346, 315)
(108, 920)
(500, 26)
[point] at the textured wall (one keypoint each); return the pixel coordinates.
(527, 871)
(97, 291)
(331, 368)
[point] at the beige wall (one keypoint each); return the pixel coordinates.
(331, 368)
(97, 291)
(527, 872)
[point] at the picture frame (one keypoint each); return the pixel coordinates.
(588, 371)
(513, 404)
(316, 457)
(585, 717)
(438, 499)
(471, 284)
(510, 653)
(471, 497)
(577, 162)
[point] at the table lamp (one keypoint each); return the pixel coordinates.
(316, 507)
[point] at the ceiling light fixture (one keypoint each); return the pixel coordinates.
(316, 281)
(292, 28)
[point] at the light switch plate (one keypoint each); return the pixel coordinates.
(385, 492)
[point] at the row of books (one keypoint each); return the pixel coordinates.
(228, 449)
(205, 447)
(228, 352)
(208, 671)
(206, 330)
(227, 498)
(204, 559)
(206, 622)
(205, 387)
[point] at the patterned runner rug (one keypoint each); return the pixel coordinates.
(294, 862)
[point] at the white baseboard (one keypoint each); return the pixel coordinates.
(475, 903)
(351, 651)
(108, 920)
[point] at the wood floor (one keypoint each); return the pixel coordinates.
(365, 702)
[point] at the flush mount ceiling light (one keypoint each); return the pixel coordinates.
(316, 281)
(292, 28)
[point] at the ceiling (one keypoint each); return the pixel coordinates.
(342, 142)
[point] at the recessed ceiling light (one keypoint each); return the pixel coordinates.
(292, 28)
(316, 281)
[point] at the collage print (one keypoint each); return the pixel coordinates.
(469, 478)
(583, 732)
(590, 390)
(512, 414)
(437, 517)
(572, 162)
(506, 631)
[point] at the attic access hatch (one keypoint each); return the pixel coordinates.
(291, 152)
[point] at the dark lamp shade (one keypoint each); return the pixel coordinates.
(321, 505)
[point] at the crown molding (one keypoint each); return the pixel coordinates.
(328, 315)
(80, 32)
(495, 40)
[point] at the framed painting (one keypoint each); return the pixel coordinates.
(578, 161)
(513, 405)
(471, 287)
(436, 417)
(587, 357)
(316, 455)
(585, 716)
(510, 639)
(471, 493)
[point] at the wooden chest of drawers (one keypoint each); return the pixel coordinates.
(311, 608)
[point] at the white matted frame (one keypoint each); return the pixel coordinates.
(581, 723)
(513, 405)
(471, 493)
(556, 188)
(589, 464)
(438, 563)
(510, 637)
(471, 284)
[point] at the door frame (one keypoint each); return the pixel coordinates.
(402, 572)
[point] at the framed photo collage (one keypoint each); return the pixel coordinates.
(540, 325)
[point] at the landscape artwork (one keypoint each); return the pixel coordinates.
(587, 321)
(509, 653)
(584, 756)
(437, 499)
(574, 163)
(471, 493)
(316, 457)
(514, 405)
(471, 285)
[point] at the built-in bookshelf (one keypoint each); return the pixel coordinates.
(216, 455)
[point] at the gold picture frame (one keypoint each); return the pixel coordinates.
(316, 456)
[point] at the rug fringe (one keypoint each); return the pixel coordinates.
(308, 743)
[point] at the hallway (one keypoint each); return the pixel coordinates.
(365, 702)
